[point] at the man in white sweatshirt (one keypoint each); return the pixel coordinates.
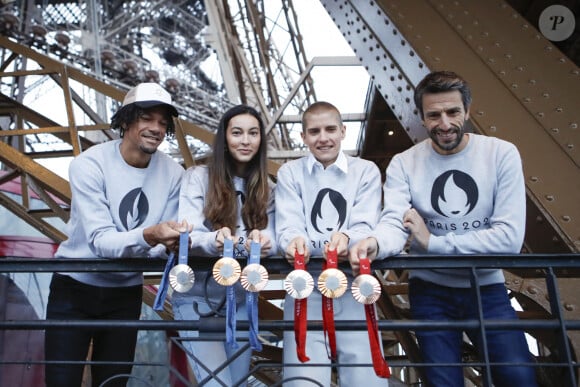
(455, 193)
(324, 198)
(124, 204)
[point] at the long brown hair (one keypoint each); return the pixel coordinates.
(221, 204)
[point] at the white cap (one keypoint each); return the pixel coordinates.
(149, 94)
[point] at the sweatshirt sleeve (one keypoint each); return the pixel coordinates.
(390, 233)
(507, 220)
(366, 205)
(88, 189)
(191, 204)
(290, 220)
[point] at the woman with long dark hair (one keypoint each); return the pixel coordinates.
(230, 198)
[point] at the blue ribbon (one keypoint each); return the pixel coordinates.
(163, 285)
(252, 301)
(230, 301)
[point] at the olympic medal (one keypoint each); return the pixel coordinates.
(366, 289)
(254, 277)
(226, 271)
(332, 283)
(299, 284)
(181, 278)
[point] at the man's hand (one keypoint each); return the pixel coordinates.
(416, 226)
(366, 248)
(297, 245)
(166, 233)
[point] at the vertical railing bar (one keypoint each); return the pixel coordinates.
(484, 348)
(555, 305)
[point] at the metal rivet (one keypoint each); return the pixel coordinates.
(569, 307)
(492, 128)
(562, 60)
(555, 130)
(573, 125)
(491, 60)
(548, 48)
(550, 198)
(508, 56)
(532, 290)
(534, 178)
(520, 68)
(559, 109)
(570, 146)
(480, 113)
(540, 114)
(545, 95)
(539, 219)
(532, 81)
(514, 85)
(527, 99)
(566, 218)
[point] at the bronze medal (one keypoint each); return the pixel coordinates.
(181, 278)
(254, 277)
(332, 283)
(366, 289)
(226, 271)
(299, 284)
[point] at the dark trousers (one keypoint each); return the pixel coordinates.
(441, 303)
(73, 300)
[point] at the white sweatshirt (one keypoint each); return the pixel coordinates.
(313, 202)
(112, 202)
(473, 202)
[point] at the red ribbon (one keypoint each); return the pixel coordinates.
(300, 315)
(328, 309)
(379, 363)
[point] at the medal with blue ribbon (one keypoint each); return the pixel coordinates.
(253, 279)
(181, 276)
(187, 279)
(226, 272)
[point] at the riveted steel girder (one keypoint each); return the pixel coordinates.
(524, 90)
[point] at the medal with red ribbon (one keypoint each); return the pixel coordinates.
(299, 285)
(332, 283)
(367, 290)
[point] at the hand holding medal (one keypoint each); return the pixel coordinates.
(226, 271)
(181, 276)
(254, 277)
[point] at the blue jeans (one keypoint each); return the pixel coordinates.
(73, 300)
(434, 302)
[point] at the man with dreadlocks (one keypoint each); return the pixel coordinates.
(124, 204)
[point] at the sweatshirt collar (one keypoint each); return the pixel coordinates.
(341, 163)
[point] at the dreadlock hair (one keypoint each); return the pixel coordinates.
(222, 209)
(441, 82)
(128, 114)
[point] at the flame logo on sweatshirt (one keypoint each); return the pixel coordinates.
(329, 211)
(133, 209)
(454, 194)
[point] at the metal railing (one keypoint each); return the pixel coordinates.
(561, 322)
